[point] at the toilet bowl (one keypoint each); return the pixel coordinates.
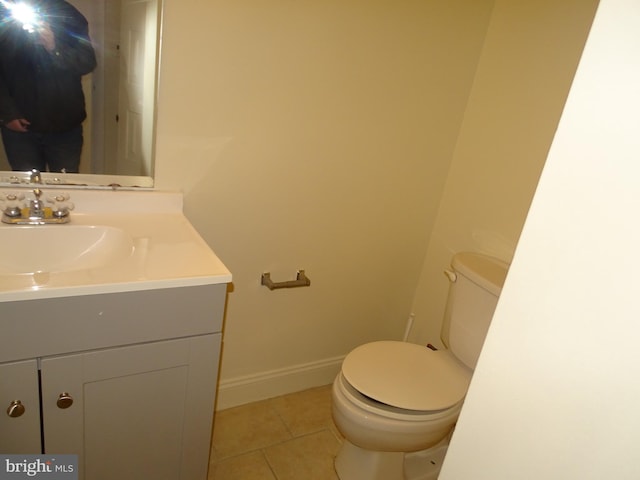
(374, 426)
(396, 403)
(394, 409)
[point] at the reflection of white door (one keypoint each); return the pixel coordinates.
(130, 111)
(138, 38)
(105, 160)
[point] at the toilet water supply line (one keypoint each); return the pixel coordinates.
(407, 330)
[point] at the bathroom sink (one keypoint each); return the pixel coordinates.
(61, 248)
(116, 241)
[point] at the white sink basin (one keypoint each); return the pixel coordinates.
(116, 241)
(61, 248)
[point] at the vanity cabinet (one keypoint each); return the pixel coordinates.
(20, 402)
(127, 381)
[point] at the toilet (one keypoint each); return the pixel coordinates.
(396, 403)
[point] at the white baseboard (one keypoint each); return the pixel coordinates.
(251, 388)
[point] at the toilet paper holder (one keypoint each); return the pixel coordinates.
(301, 281)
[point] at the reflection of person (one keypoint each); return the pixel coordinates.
(42, 105)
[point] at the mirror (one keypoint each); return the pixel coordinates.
(120, 96)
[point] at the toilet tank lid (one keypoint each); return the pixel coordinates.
(483, 270)
(406, 375)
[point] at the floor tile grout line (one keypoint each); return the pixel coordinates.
(262, 448)
(308, 434)
(280, 411)
(266, 459)
(256, 449)
(284, 422)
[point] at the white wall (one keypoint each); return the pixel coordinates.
(556, 391)
(313, 135)
(527, 64)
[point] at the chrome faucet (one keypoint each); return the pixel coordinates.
(35, 212)
(36, 206)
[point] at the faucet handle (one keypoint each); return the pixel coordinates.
(60, 212)
(60, 197)
(12, 204)
(12, 197)
(61, 205)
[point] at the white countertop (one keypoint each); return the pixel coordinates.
(166, 250)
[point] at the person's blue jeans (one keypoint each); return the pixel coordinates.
(53, 152)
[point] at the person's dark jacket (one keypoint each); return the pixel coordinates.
(45, 87)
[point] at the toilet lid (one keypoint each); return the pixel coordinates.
(406, 375)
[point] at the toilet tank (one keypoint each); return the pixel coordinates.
(476, 284)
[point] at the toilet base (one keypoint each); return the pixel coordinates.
(355, 463)
(424, 465)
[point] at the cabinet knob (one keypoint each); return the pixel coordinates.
(65, 400)
(16, 409)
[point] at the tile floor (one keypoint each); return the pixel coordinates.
(284, 438)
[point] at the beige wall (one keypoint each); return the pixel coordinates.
(555, 395)
(314, 135)
(320, 135)
(529, 58)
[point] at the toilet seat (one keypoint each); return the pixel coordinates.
(407, 376)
